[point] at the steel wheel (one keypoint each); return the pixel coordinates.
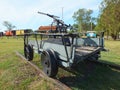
(49, 63)
(28, 52)
(94, 57)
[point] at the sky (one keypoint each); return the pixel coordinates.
(23, 13)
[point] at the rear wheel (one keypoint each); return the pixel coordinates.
(97, 56)
(28, 52)
(94, 57)
(49, 63)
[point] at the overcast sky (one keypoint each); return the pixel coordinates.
(23, 13)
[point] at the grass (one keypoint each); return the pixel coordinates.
(15, 74)
(113, 54)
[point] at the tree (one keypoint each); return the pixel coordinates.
(8, 25)
(109, 19)
(84, 20)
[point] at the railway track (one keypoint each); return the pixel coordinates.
(107, 64)
(41, 73)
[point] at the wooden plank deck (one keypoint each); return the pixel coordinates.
(82, 51)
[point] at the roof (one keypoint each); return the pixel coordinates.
(47, 28)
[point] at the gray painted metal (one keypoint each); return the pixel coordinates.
(81, 49)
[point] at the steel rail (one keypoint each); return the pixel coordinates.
(117, 67)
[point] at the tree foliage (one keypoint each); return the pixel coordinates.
(83, 19)
(8, 25)
(109, 19)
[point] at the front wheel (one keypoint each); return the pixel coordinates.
(28, 52)
(49, 63)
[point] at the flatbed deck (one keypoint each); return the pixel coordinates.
(82, 53)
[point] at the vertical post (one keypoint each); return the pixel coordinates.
(91, 24)
(62, 12)
(63, 41)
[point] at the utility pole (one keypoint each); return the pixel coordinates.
(62, 12)
(91, 24)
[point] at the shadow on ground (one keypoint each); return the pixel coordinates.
(89, 76)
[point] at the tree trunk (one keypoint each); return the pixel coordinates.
(114, 36)
(107, 35)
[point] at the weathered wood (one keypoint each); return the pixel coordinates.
(86, 50)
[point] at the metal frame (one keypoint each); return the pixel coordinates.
(70, 54)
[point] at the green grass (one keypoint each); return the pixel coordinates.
(15, 74)
(113, 55)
